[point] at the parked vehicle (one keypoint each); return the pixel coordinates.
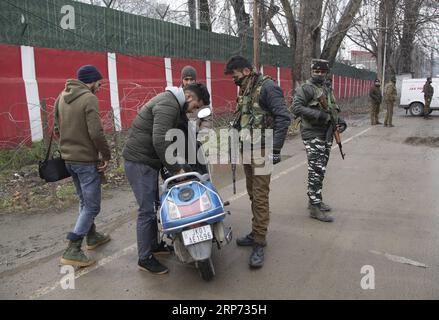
(412, 97)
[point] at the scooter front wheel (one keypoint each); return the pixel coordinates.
(205, 267)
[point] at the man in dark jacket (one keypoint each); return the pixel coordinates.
(78, 124)
(261, 105)
(145, 154)
(319, 119)
(375, 98)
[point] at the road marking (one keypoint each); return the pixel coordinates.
(41, 292)
(82, 272)
(399, 259)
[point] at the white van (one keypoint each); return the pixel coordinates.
(412, 97)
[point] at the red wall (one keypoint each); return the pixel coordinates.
(224, 90)
(14, 117)
(139, 79)
(178, 64)
(53, 67)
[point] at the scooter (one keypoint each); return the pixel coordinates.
(191, 213)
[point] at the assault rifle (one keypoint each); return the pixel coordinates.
(333, 130)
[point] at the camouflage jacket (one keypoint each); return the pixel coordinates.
(428, 90)
(375, 95)
(390, 93)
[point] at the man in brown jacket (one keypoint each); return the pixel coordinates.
(84, 148)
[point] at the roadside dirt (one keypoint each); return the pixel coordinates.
(432, 142)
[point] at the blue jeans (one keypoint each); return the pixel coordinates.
(143, 181)
(87, 182)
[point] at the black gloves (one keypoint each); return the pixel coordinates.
(341, 125)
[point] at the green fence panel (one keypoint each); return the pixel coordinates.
(38, 23)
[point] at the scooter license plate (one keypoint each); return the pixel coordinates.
(196, 235)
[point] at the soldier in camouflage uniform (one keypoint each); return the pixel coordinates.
(428, 95)
(390, 95)
(375, 98)
(261, 105)
(315, 104)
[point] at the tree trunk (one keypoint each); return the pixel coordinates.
(334, 41)
(411, 15)
(192, 13)
(205, 21)
(308, 38)
(242, 17)
(292, 32)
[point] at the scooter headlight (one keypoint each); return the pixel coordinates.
(173, 211)
(205, 203)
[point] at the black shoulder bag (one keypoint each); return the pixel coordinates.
(53, 169)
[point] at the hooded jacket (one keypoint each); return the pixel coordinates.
(78, 124)
(146, 140)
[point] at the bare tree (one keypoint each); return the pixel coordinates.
(332, 44)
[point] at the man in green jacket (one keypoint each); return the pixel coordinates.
(145, 154)
(86, 152)
(375, 98)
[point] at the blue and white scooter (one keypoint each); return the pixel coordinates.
(192, 214)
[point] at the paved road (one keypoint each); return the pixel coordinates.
(386, 209)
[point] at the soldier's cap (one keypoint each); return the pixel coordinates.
(377, 81)
(320, 64)
(429, 79)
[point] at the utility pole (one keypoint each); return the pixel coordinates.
(255, 35)
(384, 58)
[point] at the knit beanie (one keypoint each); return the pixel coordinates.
(189, 71)
(88, 74)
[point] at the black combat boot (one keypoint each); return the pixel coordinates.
(247, 241)
(322, 206)
(316, 213)
(257, 256)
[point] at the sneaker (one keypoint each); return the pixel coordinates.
(163, 249)
(152, 265)
(257, 257)
(248, 241)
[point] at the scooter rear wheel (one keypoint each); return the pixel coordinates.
(205, 267)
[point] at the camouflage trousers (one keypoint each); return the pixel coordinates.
(317, 152)
(427, 106)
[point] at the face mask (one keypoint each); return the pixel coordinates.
(319, 79)
(239, 81)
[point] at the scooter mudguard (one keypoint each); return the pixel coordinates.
(201, 250)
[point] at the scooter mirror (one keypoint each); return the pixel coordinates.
(204, 113)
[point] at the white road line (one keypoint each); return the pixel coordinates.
(400, 259)
(41, 292)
